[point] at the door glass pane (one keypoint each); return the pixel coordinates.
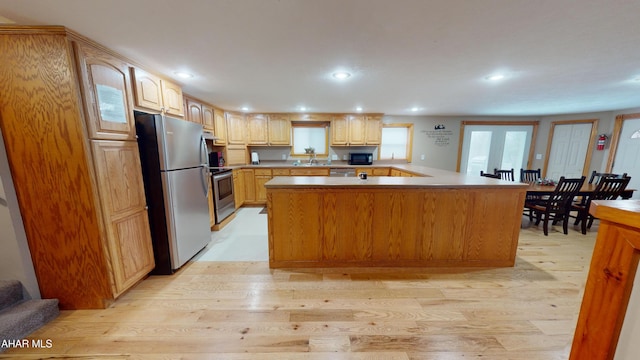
(479, 149)
(513, 152)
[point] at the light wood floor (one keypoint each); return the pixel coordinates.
(244, 310)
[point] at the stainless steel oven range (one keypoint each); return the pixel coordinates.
(223, 201)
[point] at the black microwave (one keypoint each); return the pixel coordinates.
(360, 158)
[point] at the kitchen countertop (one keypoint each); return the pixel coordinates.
(431, 178)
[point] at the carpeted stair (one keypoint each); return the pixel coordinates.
(19, 317)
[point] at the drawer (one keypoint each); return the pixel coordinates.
(380, 171)
(280, 172)
(262, 171)
(309, 172)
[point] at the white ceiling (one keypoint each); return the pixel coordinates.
(559, 56)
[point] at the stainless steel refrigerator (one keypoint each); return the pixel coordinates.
(175, 171)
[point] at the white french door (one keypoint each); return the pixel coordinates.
(627, 157)
(569, 150)
(486, 147)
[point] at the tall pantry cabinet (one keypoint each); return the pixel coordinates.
(66, 115)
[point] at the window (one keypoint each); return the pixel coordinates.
(396, 142)
(306, 135)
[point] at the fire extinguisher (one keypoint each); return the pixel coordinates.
(602, 139)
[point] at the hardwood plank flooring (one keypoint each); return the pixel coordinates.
(244, 310)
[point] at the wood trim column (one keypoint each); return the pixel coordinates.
(610, 280)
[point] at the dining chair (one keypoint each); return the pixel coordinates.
(489, 175)
(596, 176)
(505, 174)
(530, 176)
(608, 188)
(558, 206)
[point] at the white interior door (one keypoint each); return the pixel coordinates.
(627, 158)
(486, 147)
(569, 148)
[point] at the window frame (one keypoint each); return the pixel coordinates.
(301, 124)
(409, 142)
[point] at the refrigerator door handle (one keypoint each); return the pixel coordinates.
(205, 176)
(204, 157)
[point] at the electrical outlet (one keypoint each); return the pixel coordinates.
(538, 156)
(344, 157)
(334, 157)
(284, 156)
(422, 157)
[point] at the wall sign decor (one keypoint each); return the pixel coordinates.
(439, 135)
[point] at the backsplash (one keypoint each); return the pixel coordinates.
(276, 153)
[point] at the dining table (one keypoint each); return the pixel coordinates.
(586, 189)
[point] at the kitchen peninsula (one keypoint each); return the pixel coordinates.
(441, 218)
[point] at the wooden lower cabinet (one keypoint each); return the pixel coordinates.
(124, 210)
(309, 172)
(374, 171)
(238, 187)
(249, 187)
(261, 177)
(280, 172)
(83, 209)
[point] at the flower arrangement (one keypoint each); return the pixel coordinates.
(309, 150)
(546, 182)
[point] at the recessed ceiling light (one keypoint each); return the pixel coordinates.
(245, 108)
(341, 75)
(495, 77)
(183, 75)
(414, 109)
(302, 108)
(359, 108)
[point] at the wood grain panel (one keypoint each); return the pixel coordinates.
(148, 90)
(48, 156)
(97, 68)
(609, 283)
(295, 223)
(369, 226)
(337, 228)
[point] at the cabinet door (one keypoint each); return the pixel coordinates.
(249, 186)
(236, 128)
(219, 128)
(257, 130)
(261, 177)
(207, 117)
(279, 130)
(124, 210)
(357, 130)
(172, 98)
(374, 130)
(107, 93)
(339, 130)
(147, 90)
(194, 111)
(238, 186)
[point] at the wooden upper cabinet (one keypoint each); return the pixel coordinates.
(219, 127)
(279, 129)
(236, 129)
(339, 130)
(172, 98)
(153, 93)
(357, 130)
(124, 210)
(373, 130)
(194, 111)
(107, 93)
(208, 118)
(257, 130)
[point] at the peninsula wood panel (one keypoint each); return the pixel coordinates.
(610, 281)
(40, 109)
(394, 227)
